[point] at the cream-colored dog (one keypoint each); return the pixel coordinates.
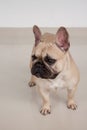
(52, 66)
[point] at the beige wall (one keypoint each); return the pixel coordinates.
(23, 35)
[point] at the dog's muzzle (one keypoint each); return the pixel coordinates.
(40, 70)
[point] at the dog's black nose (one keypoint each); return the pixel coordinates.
(39, 63)
(37, 69)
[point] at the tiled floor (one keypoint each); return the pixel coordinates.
(20, 105)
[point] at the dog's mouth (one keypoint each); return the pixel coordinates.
(54, 75)
(40, 70)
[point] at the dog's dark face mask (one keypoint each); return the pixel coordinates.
(40, 70)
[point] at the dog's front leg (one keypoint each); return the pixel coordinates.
(32, 81)
(46, 102)
(71, 103)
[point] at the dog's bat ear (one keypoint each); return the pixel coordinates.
(62, 39)
(37, 34)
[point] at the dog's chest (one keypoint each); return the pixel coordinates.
(52, 84)
(57, 83)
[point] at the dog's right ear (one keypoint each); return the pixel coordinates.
(62, 39)
(37, 34)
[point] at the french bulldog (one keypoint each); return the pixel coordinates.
(52, 66)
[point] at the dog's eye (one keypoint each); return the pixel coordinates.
(34, 57)
(49, 60)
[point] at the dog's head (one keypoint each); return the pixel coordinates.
(49, 53)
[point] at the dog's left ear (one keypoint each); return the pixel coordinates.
(37, 34)
(62, 39)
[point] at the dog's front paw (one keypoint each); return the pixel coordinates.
(31, 84)
(72, 105)
(45, 110)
